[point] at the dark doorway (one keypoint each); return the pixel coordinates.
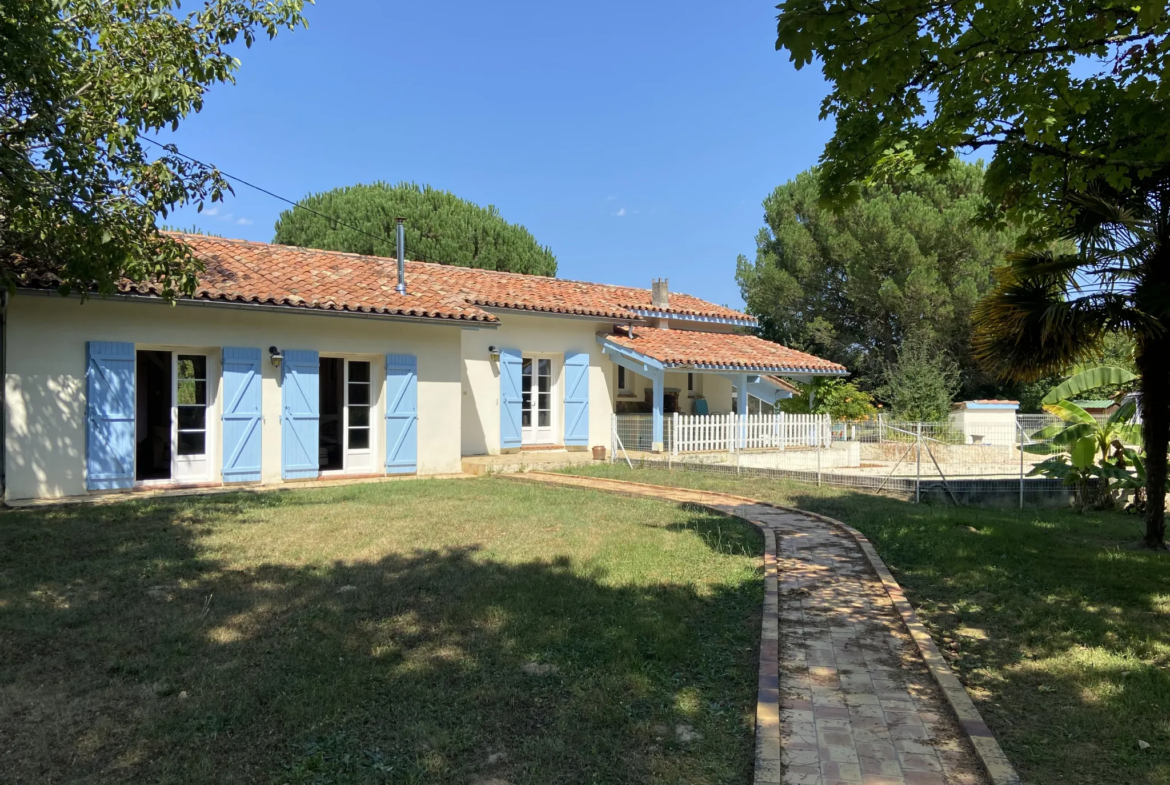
(332, 453)
(153, 416)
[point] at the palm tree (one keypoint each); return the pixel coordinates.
(1050, 310)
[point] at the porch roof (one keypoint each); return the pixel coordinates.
(719, 352)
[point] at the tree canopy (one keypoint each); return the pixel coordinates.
(81, 83)
(907, 259)
(1063, 94)
(440, 227)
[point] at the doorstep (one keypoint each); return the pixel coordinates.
(544, 460)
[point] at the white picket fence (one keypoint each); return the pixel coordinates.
(735, 432)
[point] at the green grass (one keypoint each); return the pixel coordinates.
(378, 633)
(1056, 621)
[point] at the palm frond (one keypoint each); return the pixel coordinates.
(1025, 330)
(1124, 413)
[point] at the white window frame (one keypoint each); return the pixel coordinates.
(212, 423)
(359, 460)
(554, 402)
(186, 465)
(628, 389)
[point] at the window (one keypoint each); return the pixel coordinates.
(192, 404)
(624, 382)
(690, 382)
(358, 405)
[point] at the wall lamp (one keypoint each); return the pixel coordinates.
(494, 353)
(275, 355)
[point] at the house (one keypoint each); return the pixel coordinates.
(289, 364)
(986, 421)
(1098, 407)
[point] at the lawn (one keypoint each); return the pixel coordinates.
(1057, 623)
(413, 632)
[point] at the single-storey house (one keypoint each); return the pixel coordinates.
(289, 364)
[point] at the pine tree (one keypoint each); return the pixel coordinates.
(440, 227)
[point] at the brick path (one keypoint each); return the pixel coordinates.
(846, 697)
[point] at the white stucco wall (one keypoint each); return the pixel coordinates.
(45, 384)
(546, 335)
(996, 426)
(716, 389)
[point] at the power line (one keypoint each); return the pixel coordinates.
(174, 151)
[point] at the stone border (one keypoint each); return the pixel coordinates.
(987, 749)
(767, 745)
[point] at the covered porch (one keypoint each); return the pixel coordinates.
(742, 365)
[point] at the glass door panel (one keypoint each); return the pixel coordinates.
(536, 414)
(358, 401)
(191, 403)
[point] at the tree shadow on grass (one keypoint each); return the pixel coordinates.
(126, 653)
(1059, 627)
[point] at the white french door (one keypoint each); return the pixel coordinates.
(359, 453)
(191, 461)
(536, 412)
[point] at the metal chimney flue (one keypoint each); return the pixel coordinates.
(401, 288)
(660, 293)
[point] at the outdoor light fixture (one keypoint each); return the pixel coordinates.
(275, 355)
(494, 353)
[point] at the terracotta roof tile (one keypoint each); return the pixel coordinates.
(249, 272)
(726, 350)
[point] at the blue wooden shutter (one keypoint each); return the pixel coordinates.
(577, 398)
(300, 419)
(242, 432)
(401, 414)
(109, 432)
(510, 397)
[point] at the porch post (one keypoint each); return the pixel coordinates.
(741, 397)
(659, 380)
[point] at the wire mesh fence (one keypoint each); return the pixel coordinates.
(963, 462)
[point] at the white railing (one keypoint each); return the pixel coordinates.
(735, 432)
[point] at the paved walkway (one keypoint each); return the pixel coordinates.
(852, 690)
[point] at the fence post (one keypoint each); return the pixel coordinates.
(614, 440)
(918, 470)
(674, 434)
(818, 461)
(1020, 433)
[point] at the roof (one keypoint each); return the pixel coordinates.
(720, 351)
(241, 271)
(782, 384)
(987, 403)
(1100, 403)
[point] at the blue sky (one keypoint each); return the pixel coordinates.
(637, 139)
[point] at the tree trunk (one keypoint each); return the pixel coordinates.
(1154, 366)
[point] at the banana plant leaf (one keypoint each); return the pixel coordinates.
(1057, 467)
(1084, 452)
(1069, 412)
(1071, 434)
(1086, 379)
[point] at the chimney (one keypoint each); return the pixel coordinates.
(401, 288)
(659, 293)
